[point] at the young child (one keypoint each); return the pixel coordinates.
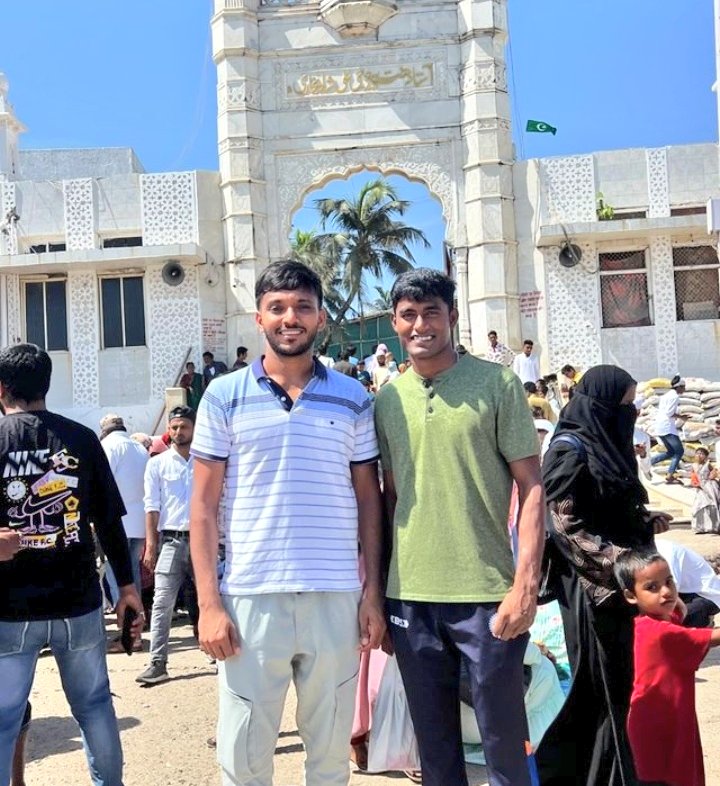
(662, 725)
(706, 506)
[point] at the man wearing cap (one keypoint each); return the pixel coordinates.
(666, 429)
(168, 483)
(127, 459)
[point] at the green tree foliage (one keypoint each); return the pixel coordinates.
(362, 238)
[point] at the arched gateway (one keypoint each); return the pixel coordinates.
(313, 89)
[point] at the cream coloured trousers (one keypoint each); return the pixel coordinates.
(310, 638)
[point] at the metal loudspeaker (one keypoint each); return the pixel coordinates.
(173, 273)
(570, 255)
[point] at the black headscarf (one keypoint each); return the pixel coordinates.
(605, 426)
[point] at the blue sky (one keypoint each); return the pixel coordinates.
(138, 73)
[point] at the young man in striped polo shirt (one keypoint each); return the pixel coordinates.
(293, 445)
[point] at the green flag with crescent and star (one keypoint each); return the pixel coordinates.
(539, 127)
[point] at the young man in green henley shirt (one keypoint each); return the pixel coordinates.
(454, 433)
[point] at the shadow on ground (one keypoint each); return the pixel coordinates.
(53, 735)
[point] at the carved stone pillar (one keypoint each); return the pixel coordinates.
(461, 278)
(235, 36)
(488, 158)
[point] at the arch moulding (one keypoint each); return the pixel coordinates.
(429, 163)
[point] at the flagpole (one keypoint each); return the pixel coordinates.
(716, 86)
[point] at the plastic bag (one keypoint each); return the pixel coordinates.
(392, 744)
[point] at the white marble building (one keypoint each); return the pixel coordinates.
(84, 238)
(310, 90)
(645, 293)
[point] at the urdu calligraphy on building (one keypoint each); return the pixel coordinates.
(361, 80)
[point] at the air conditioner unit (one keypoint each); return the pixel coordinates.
(713, 216)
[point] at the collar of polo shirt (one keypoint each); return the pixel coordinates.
(259, 371)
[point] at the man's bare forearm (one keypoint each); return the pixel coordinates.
(367, 493)
(204, 552)
(371, 534)
(531, 534)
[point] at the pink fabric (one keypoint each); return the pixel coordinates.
(157, 446)
(372, 665)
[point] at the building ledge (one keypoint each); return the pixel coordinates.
(622, 229)
(102, 259)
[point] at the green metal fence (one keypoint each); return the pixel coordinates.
(364, 333)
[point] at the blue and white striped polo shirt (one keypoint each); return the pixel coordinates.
(291, 521)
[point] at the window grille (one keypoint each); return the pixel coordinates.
(697, 282)
(624, 293)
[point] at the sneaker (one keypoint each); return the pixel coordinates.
(156, 672)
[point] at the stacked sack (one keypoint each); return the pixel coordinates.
(700, 403)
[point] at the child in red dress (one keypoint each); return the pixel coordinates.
(662, 725)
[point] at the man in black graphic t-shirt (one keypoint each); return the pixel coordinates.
(54, 483)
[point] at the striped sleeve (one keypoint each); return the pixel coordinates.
(366, 446)
(211, 440)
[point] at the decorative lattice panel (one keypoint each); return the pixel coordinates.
(79, 214)
(663, 287)
(657, 179)
(9, 201)
(84, 338)
(568, 186)
(14, 311)
(174, 315)
(169, 208)
(573, 316)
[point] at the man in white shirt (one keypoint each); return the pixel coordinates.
(292, 447)
(127, 459)
(323, 357)
(697, 582)
(666, 429)
(525, 365)
(168, 484)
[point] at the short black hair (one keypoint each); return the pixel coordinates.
(703, 450)
(209, 354)
(492, 333)
(567, 368)
(542, 386)
(530, 387)
(25, 371)
(352, 349)
(344, 355)
(528, 342)
(241, 351)
(629, 562)
(288, 275)
(421, 284)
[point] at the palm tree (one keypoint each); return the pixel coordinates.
(367, 238)
(322, 257)
(383, 302)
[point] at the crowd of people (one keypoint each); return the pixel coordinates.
(316, 510)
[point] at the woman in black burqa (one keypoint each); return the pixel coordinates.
(597, 507)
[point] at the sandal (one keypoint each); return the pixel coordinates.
(670, 479)
(359, 754)
(414, 775)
